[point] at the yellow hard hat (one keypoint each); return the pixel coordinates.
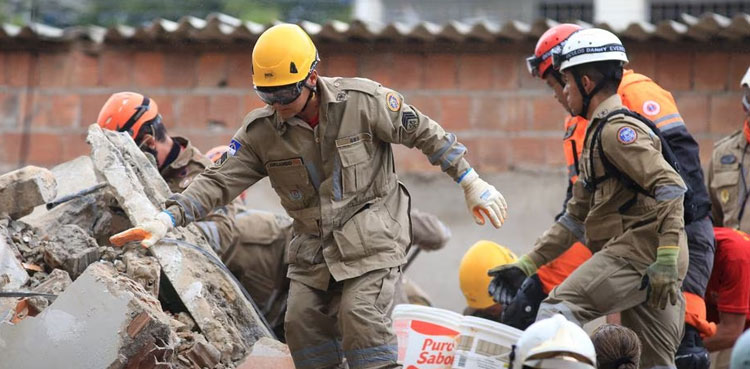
(283, 55)
(472, 272)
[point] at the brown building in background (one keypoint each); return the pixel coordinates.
(470, 78)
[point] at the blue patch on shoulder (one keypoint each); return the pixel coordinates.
(234, 146)
(626, 135)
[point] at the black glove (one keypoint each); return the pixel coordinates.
(692, 354)
(521, 312)
(505, 283)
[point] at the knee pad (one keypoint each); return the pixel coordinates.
(692, 354)
(521, 312)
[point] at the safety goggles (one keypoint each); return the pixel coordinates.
(284, 94)
(280, 95)
(533, 62)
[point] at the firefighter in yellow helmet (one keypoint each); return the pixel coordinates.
(474, 280)
(326, 143)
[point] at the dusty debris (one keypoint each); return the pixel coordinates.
(12, 273)
(143, 269)
(101, 310)
(25, 188)
(174, 305)
(54, 284)
(225, 316)
(71, 249)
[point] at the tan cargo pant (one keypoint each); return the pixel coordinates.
(349, 320)
(608, 284)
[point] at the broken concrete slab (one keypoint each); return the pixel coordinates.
(71, 249)
(103, 320)
(23, 189)
(215, 300)
(12, 273)
(268, 354)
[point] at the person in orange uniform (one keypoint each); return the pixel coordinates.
(642, 95)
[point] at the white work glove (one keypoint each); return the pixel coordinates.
(483, 199)
(148, 233)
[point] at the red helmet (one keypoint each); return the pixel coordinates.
(127, 112)
(553, 39)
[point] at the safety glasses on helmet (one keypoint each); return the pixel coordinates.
(532, 64)
(284, 94)
(280, 94)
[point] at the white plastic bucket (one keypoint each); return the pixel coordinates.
(426, 336)
(484, 344)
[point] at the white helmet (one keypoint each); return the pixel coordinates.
(554, 343)
(746, 79)
(588, 46)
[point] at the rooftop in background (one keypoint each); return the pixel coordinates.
(223, 28)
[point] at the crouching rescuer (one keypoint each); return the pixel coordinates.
(626, 206)
(325, 143)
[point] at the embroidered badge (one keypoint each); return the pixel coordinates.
(393, 102)
(409, 120)
(341, 96)
(728, 159)
(234, 146)
(651, 107)
(626, 135)
(724, 194)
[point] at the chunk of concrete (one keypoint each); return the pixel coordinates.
(23, 189)
(213, 298)
(103, 320)
(12, 273)
(71, 249)
(268, 353)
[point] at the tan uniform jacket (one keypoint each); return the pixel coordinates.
(219, 224)
(594, 217)
(729, 162)
(337, 181)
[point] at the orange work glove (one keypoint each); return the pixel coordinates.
(148, 233)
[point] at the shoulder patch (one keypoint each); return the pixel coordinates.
(626, 135)
(728, 159)
(409, 120)
(392, 101)
(234, 146)
(651, 107)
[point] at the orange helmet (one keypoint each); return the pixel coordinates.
(215, 154)
(553, 39)
(127, 112)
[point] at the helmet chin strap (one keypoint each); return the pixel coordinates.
(584, 95)
(309, 97)
(746, 104)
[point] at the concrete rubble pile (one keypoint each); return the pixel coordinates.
(70, 299)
